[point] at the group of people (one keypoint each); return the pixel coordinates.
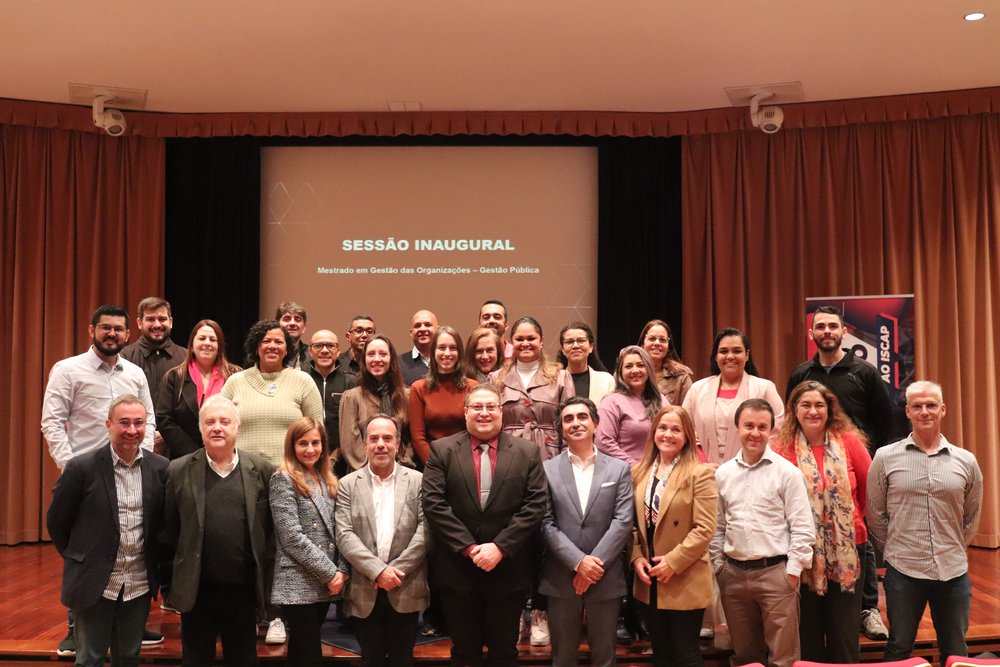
(474, 479)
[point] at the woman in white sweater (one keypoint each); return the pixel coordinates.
(269, 395)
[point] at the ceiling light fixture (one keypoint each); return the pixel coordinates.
(975, 16)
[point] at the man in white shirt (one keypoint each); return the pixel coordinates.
(763, 541)
(81, 388)
(586, 527)
(924, 499)
(76, 402)
(388, 588)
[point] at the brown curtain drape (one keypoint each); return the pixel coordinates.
(82, 225)
(882, 208)
(506, 123)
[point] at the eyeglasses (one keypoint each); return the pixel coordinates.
(930, 406)
(125, 423)
(324, 346)
(575, 342)
(108, 328)
(480, 407)
(361, 332)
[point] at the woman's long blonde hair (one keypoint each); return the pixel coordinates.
(294, 469)
(687, 456)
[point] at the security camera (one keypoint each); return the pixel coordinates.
(768, 119)
(111, 121)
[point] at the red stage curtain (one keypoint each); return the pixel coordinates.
(82, 225)
(880, 208)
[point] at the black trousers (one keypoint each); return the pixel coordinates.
(386, 636)
(674, 635)
(828, 627)
(477, 620)
(304, 622)
(229, 611)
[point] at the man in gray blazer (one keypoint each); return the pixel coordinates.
(104, 519)
(218, 528)
(586, 527)
(380, 532)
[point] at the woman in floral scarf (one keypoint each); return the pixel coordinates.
(821, 440)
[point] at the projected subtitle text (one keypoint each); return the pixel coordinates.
(425, 270)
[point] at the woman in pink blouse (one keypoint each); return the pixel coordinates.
(712, 401)
(627, 412)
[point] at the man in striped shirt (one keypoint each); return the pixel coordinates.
(924, 499)
(105, 517)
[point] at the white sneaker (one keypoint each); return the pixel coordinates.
(872, 625)
(539, 628)
(523, 628)
(276, 632)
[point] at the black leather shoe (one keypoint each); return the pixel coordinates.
(622, 634)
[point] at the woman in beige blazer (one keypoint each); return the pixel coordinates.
(675, 503)
(712, 401)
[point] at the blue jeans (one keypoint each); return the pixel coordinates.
(905, 600)
(113, 624)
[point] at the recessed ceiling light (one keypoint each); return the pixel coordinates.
(975, 16)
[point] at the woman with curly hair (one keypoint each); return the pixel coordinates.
(821, 440)
(269, 395)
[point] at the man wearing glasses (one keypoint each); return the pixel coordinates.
(105, 517)
(362, 328)
(77, 398)
(924, 499)
(332, 381)
(484, 496)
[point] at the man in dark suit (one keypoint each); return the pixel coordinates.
(414, 364)
(586, 527)
(484, 495)
(218, 528)
(106, 512)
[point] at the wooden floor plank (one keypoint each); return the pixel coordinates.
(32, 621)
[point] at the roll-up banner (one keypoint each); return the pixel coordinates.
(878, 330)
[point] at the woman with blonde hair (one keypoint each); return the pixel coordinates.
(676, 505)
(308, 572)
(819, 437)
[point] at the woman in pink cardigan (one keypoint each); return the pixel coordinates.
(712, 401)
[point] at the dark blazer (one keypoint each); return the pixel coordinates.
(603, 530)
(177, 417)
(83, 522)
(511, 516)
(184, 520)
(412, 369)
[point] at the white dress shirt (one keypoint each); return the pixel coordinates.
(583, 474)
(763, 512)
(77, 397)
(384, 503)
(224, 470)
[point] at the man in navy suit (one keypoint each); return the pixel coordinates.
(105, 515)
(484, 495)
(586, 527)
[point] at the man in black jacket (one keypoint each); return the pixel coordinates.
(105, 516)
(332, 380)
(864, 398)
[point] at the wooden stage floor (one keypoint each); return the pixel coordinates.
(32, 621)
